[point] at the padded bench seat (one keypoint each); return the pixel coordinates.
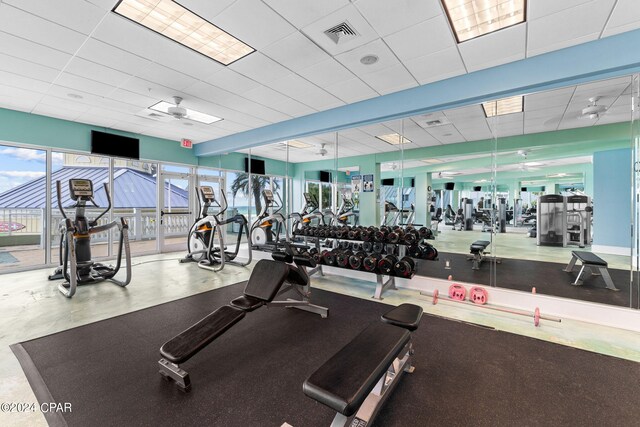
(346, 379)
(198, 336)
(591, 262)
(479, 245)
(589, 258)
(405, 315)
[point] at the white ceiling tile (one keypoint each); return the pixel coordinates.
(165, 76)
(82, 67)
(214, 94)
(295, 51)
(55, 111)
(265, 95)
(493, 49)
(97, 101)
(189, 62)
(66, 103)
(303, 91)
(326, 73)
(387, 17)
(469, 113)
(625, 17)
(18, 81)
(96, 120)
(132, 98)
(508, 119)
(421, 39)
(302, 13)
(389, 80)
(436, 66)
(38, 30)
(351, 59)
(77, 15)
(353, 90)
(132, 37)
(569, 27)
(350, 14)
(292, 107)
(33, 52)
(259, 68)
(232, 81)
(112, 57)
(206, 9)
(548, 99)
(254, 23)
(27, 68)
(539, 117)
(73, 82)
(539, 8)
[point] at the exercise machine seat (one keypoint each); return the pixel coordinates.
(346, 379)
(295, 277)
(247, 303)
(266, 279)
(478, 246)
(405, 315)
(198, 336)
(589, 258)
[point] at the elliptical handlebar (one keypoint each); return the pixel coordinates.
(58, 192)
(106, 192)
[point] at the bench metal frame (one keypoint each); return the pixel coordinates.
(594, 270)
(380, 393)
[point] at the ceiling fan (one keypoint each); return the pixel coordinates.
(593, 110)
(177, 111)
(322, 151)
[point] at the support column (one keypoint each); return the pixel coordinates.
(423, 184)
(370, 202)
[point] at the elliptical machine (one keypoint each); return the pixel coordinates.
(267, 229)
(76, 265)
(207, 227)
(341, 218)
(308, 214)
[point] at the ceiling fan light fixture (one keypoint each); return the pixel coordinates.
(175, 110)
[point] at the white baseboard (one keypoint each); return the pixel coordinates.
(612, 250)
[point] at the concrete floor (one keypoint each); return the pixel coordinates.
(32, 307)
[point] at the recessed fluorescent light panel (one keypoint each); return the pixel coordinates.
(474, 18)
(515, 104)
(393, 139)
(196, 116)
(431, 161)
(297, 144)
(185, 27)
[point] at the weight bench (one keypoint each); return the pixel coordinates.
(359, 378)
(591, 262)
(264, 284)
(477, 251)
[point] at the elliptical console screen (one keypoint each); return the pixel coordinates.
(207, 193)
(268, 195)
(80, 188)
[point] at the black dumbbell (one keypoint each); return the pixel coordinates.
(370, 263)
(395, 236)
(355, 260)
(425, 233)
(380, 235)
(378, 247)
(344, 245)
(411, 237)
(367, 246)
(415, 251)
(429, 252)
(386, 264)
(353, 234)
(404, 267)
(329, 257)
(342, 258)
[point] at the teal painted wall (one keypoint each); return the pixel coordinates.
(612, 198)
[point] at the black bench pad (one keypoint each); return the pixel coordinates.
(589, 258)
(266, 279)
(346, 379)
(405, 315)
(247, 303)
(483, 243)
(186, 344)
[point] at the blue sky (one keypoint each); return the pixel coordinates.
(20, 165)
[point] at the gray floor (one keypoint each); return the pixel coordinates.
(32, 307)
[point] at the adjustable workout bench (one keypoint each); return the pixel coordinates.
(263, 286)
(359, 378)
(477, 249)
(591, 262)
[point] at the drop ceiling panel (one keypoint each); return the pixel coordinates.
(540, 117)
(476, 134)
(27, 68)
(91, 70)
(300, 89)
(206, 91)
(292, 107)
(207, 9)
(98, 120)
(572, 26)
(326, 73)
(507, 119)
(165, 76)
(57, 112)
(18, 99)
(469, 113)
(421, 39)
(254, 23)
(186, 61)
(18, 81)
(493, 49)
(549, 99)
(351, 59)
(625, 17)
(296, 51)
(76, 15)
(388, 17)
(349, 14)
(302, 13)
(31, 51)
(259, 67)
(540, 8)
(66, 103)
(436, 66)
(38, 30)
(389, 80)
(230, 80)
(112, 57)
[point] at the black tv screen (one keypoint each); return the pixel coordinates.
(477, 188)
(413, 182)
(257, 166)
(325, 176)
(108, 144)
(388, 182)
(523, 188)
(449, 185)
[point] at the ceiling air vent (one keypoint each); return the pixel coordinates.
(435, 121)
(341, 33)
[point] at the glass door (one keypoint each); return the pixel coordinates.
(175, 196)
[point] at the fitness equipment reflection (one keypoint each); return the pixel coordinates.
(76, 265)
(564, 221)
(208, 227)
(309, 213)
(345, 212)
(264, 234)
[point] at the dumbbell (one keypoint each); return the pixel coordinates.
(380, 235)
(386, 264)
(378, 247)
(353, 234)
(366, 235)
(370, 262)
(344, 245)
(340, 234)
(415, 251)
(315, 254)
(429, 252)
(425, 233)
(395, 236)
(329, 257)
(355, 260)
(411, 236)
(367, 247)
(405, 267)
(342, 258)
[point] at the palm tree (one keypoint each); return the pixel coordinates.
(258, 183)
